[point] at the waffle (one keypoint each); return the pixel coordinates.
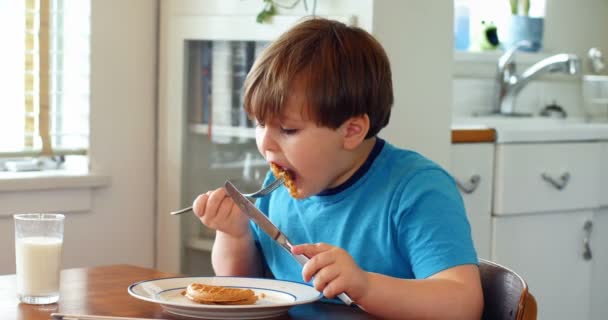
(279, 172)
(208, 294)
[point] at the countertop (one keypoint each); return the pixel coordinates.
(501, 130)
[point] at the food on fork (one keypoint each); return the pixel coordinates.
(287, 177)
(209, 294)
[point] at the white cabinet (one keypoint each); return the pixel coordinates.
(604, 174)
(546, 249)
(599, 246)
(202, 43)
(599, 262)
(472, 168)
(548, 226)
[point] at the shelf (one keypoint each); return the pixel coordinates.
(223, 131)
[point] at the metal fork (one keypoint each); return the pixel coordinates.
(258, 194)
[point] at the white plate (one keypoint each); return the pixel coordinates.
(278, 296)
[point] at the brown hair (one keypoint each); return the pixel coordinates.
(345, 73)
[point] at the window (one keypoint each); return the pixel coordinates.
(44, 101)
(470, 16)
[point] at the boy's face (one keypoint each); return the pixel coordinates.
(314, 155)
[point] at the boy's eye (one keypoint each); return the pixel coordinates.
(288, 131)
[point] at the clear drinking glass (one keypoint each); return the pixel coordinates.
(38, 247)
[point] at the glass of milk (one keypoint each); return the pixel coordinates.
(38, 246)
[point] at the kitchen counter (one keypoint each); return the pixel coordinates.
(526, 130)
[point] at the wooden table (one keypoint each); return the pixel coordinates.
(103, 291)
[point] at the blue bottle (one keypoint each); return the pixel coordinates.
(462, 39)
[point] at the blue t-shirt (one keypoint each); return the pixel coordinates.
(400, 215)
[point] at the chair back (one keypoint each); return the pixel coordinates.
(505, 293)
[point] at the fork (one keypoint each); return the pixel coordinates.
(258, 194)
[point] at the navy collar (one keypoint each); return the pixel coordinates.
(359, 173)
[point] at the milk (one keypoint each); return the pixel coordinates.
(38, 261)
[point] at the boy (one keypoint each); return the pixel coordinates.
(384, 225)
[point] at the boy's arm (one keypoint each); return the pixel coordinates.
(236, 256)
(454, 293)
(234, 252)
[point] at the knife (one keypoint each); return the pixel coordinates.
(270, 229)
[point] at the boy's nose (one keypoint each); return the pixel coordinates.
(264, 140)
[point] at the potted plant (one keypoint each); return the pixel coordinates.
(270, 9)
(524, 27)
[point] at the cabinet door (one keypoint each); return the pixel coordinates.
(604, 174)
(547, 251)
(599, 262)
(599, 247)
(468, 161)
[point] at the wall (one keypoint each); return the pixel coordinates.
(576, 26)
(420, 50)
(119, 228)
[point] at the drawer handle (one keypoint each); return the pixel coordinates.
(559, 183)
(587, 227)
(469, 186)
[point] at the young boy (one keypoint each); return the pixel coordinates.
(384, 225)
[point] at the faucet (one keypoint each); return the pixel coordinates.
(509, 83)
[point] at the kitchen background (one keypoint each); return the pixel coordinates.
(147, 158)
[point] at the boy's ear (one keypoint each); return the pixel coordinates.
(355, 130)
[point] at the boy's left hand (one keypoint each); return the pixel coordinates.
(334, 270)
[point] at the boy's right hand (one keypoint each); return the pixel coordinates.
(217, 210)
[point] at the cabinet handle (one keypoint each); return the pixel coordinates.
(587, 227)
(469, 186)
(559, 183)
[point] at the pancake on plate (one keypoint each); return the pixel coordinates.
(208, 294)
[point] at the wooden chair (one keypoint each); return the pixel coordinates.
(505, 293)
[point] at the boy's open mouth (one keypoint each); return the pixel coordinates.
(279, 171)
(288, 175)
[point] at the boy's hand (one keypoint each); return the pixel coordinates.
(334, 270)
(218, 211)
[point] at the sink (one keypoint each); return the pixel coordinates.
(536, 129)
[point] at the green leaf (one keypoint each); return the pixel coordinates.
(261, 17)
(272, 10)
(513, 6)
(526, 6)
(521, 7)
(266, 14)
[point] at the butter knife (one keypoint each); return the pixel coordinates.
(270, 229)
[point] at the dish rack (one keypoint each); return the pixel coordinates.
(595, 95)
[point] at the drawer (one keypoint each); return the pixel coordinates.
(546, 177)
(471, 160)
(604, 175)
